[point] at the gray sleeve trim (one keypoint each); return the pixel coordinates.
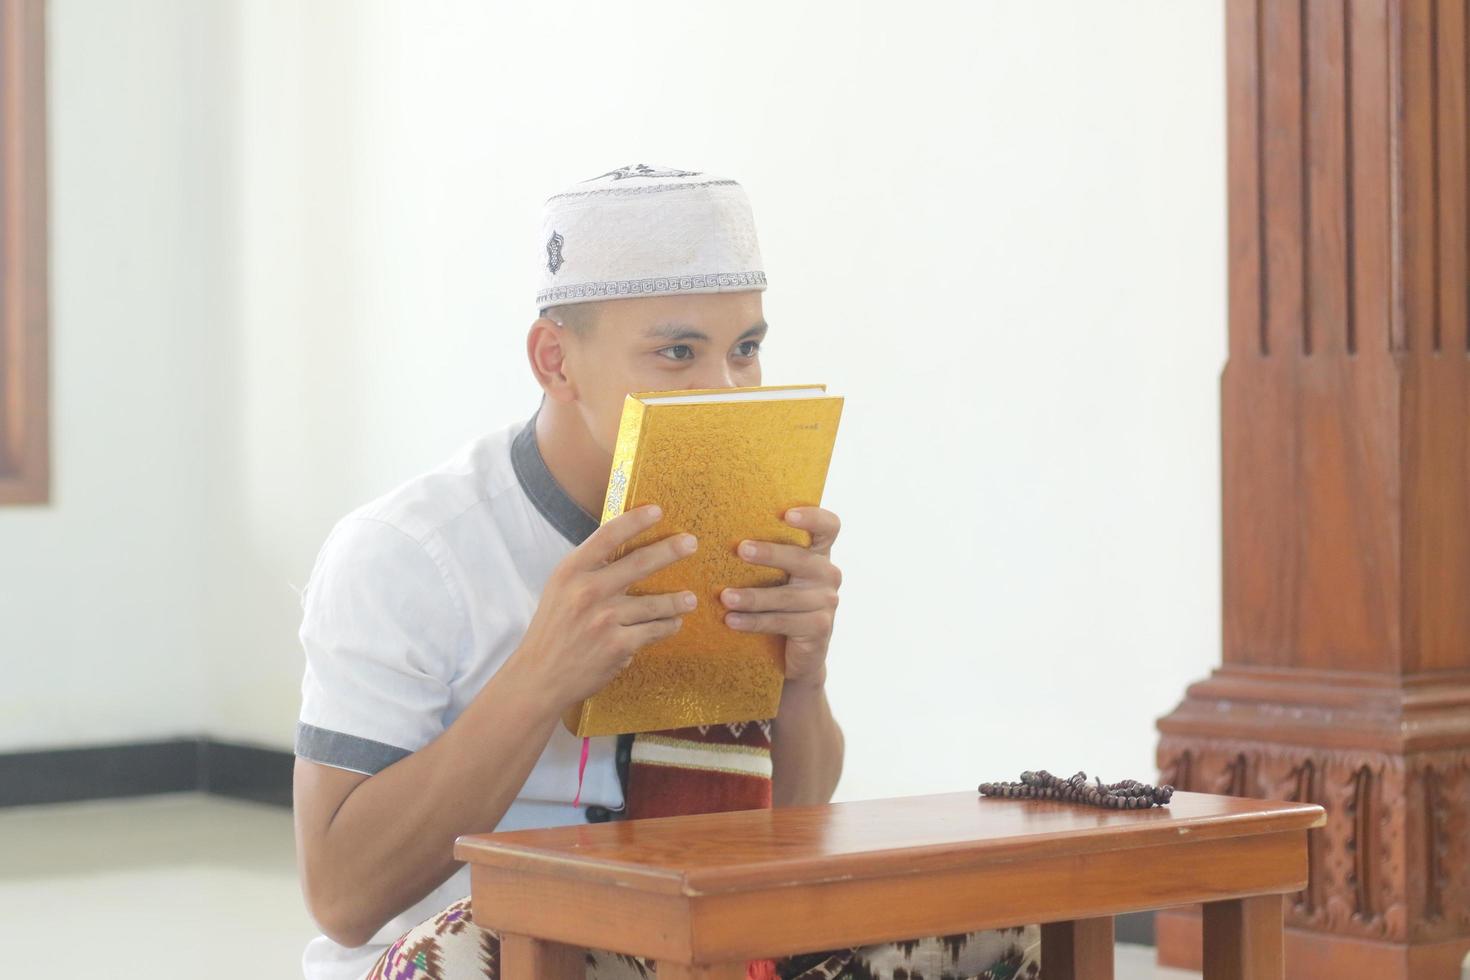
(342, 751)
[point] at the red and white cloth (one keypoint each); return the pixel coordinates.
(705, 769)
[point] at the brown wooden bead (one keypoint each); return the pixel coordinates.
(1039, 784)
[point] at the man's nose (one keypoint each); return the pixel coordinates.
(724, 378)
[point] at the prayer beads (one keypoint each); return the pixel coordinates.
(1128, 794)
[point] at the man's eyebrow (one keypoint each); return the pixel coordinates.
(683, 331)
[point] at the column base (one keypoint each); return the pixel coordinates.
(1316, 955)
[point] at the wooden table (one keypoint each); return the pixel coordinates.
(701, 895)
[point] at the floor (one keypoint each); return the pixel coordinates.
(153, 887)
(183, 886)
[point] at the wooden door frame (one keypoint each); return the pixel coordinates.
(25, 424)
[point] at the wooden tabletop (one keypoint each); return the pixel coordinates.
(757, 849)
(717, 889)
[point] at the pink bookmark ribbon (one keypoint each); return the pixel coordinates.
(582, 769)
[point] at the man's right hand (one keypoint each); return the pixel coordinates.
(363, 859)
(586, 627)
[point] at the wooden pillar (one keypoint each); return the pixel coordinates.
(1345, 676)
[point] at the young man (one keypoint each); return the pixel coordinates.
(448, 624)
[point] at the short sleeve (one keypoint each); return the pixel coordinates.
(382, 634)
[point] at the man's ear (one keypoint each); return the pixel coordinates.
(546, 347)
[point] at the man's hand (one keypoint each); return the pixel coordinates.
(586, 627)
(363, 858)
(802, 610)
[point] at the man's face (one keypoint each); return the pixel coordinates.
(662, 343)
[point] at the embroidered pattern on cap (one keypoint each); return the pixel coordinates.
(642, 189)
(632, 287)
(642, 170)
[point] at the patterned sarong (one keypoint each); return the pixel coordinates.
(708, 770)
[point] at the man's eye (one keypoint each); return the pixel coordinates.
(749, 348)
(678, 352)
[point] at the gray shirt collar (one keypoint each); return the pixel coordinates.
(559, 509)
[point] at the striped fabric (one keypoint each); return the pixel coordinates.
(705, 769)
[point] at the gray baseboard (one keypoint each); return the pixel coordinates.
(1134, 927)
(145, 768)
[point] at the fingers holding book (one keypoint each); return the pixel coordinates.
(822, 524)
(638, 565)
(801, 563)
(601, 546)
(586, 627)
(803, 624)
(780, 598)
(633, 610)
(804, 608)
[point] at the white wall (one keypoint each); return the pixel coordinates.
(997, 228)
(101, 629)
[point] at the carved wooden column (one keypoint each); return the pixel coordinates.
(1346, 501)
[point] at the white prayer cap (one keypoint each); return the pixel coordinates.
(647, 231)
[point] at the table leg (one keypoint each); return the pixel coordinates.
(1081, 949)
(528, 958)
(1243, 939)
(668, 970)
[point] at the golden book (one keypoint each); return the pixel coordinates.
(725, 465)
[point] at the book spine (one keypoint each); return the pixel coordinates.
(619, 480)
(619, 489)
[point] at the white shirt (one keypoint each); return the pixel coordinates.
(415, 600)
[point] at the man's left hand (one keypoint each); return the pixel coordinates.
(802, 610)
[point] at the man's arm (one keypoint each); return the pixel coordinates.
(807, 746)
(370, 846)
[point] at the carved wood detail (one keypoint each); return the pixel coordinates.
(1394, 858)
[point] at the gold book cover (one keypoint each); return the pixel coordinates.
(725, 465)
